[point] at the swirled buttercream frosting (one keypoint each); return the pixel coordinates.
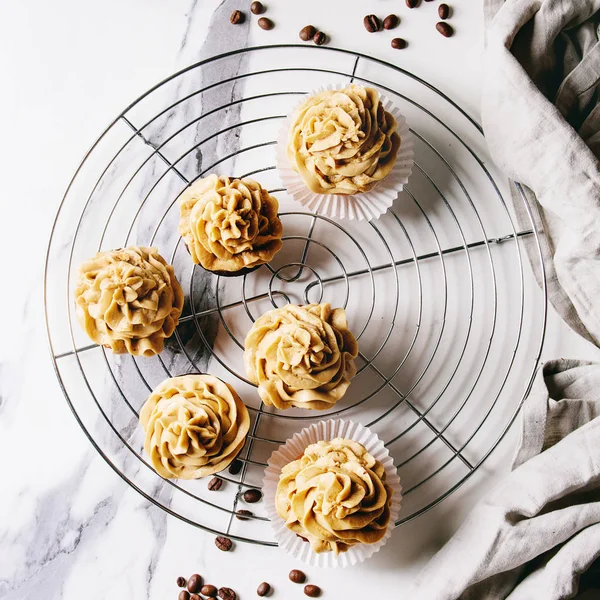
(195, 426)
(343, 141)
(335, 496)
(229, 224)
(128, 300)
(301, 356)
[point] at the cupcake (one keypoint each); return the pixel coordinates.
(195, 426)
(301, 356)
(335, 496)
(128, 300)
(230, 226)
(343, 141)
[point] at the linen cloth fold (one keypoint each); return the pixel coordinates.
(537, 535)
(534, 535)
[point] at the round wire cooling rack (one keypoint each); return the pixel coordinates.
(449, 319)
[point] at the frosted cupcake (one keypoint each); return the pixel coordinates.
(128, 300)
(343, 141)
(301, 356)
(195, 426)
(335, 496)
(230, 226)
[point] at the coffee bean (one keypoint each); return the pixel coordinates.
(243, 514)
(412, 3)
(372, 23)
(252, 495)
(297, 576)
(194, 583)
(391, 22)
(307, 33)
(399, 43)
(263, 589)
(236, 466)
(257, 8)
(209, 590)
(443, 11)
(195, 597)
(313, 591)
(237, 17)
(183, 595)
(266, 24)
(445, 29)
(226, 593)
(223, 543)
(319, 38)
(181, 581)
(215, 484)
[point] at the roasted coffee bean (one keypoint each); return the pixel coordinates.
(443, 11)
(194, 583)
(226, 593)
(372, 23)
(266, 24)
(412, 3)
(312, 591)
(252, 495)
(243, 514)
(307, 33)
(391, 22)
(237, 16)
(263, 589)
(181, 581)
(209, 590)
(236, 466)
(223, 543)
(297, 576)
(183, 595)
(195, 597)
(215, 484)
(319, 38)
(399, 43)
(445, 29)
(257, 8)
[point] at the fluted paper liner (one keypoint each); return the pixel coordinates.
(290, 451)
(365, 206)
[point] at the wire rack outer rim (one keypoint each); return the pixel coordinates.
(529, 210)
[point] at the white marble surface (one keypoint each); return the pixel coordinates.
(69, 527)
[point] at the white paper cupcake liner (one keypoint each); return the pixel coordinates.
(290, 451)
(365, 206)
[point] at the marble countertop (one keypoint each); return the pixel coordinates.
(70, 527)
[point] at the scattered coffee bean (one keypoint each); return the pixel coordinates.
(215, 484)
(209, 590)
(443, 11)
(263, 589)
(195, 597)
(399, 43)
(226, 593)
(412, 3)
(312, 591)
(252, 495)
(236, 466)
(307, 33)
(266, 24)
(243, 514)
(183, 595)
(181, 581)
(391, 22)
(372, 23)
(257, 8)
(319, 38)
(223, 543)
(445, 29)
(297, 576)
(194, 583)
(237, 17)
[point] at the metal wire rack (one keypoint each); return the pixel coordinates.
(449, 319)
